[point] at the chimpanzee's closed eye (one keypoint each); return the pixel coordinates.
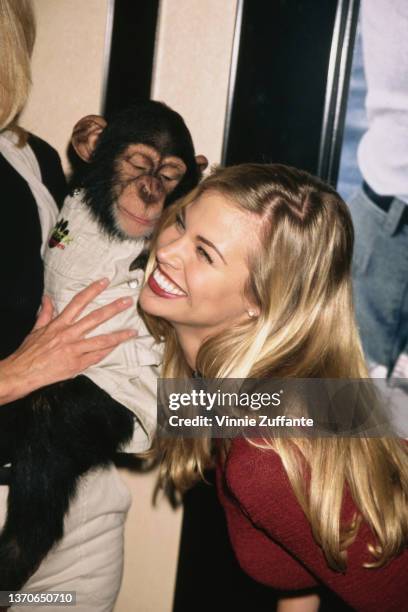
(143, 160)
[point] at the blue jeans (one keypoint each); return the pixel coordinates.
(380, 280)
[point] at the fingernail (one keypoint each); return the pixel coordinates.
(126, 301)
(104, 282)
(132, 332)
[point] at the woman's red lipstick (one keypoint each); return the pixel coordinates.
(155, 287)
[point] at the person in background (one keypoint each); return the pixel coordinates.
(32, 189)
(273, 299)
(380, 208)
(37, 351)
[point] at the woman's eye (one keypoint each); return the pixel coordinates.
(204, 254)
(168, 179)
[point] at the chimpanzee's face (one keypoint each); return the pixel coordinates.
(144, 179)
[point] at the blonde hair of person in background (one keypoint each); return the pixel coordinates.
(17, 36)
(300, 279)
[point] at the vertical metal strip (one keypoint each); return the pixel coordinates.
(107, 54)
(338, 76)
(156, 51)
(346, 60)
(330, 85)
(232, 77)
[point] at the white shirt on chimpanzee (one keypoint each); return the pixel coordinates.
(78, 253)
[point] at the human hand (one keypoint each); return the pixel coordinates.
(301, 603)
(85, 135)
(57, 348)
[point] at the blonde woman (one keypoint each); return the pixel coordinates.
(250, 277)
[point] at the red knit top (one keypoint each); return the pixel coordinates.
(273, 541)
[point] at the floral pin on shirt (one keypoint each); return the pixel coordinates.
(60, 235)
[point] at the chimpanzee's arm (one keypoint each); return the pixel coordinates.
(64, 430)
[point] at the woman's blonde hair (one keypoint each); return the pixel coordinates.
(17, 35)
(300, 277)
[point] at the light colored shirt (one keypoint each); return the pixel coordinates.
(383, 151)
(78, 253)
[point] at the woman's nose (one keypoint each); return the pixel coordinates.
(172, 253)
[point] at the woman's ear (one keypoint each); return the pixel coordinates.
(85, 135)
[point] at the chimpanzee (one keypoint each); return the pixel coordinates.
(144, 160)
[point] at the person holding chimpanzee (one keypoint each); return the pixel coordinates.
(32, 184)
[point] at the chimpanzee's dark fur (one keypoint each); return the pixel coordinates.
(150, 123)
(58, 433)
(54, 436)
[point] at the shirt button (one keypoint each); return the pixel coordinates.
(133, 284)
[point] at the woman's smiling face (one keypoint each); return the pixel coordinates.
(202, 266)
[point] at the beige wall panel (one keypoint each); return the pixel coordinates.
(151, 549)
(192, 66)
(67, 67)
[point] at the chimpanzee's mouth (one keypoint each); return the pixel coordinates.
(142, 220)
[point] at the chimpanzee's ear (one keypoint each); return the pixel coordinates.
(85, 135)
(202, 163)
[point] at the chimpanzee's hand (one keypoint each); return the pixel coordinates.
(85, 135)
(58, 349)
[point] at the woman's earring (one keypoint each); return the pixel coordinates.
(251, 314)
